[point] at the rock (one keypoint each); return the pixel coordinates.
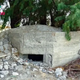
(1, 61)
(62, 78)
(19, 68)
(8, 57)
(1, 48)
(23, 77)
(34, 69)
(43, 74)
(13, 65)
(58, 72)
(15, 73)
(20, 61)
(44, 70)
(1, 75)
(6, 63)
(7, 46)
(6, 36)
(5, 41)
(1, 43)
(26, 63)
(1, 66)
(7, 51)
(41, 68)
(6, 72)
(29, 67)
(65, 73)
(15, 58)
(28, 72)
(14, 50)
(2, 55)
(6, 67)
(45, 65)
(50, 72)
(34, 75)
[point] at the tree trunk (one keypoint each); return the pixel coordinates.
(16, 16)
(43, 20)
(15, 21)
(52, 19)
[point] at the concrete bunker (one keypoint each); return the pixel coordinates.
(47, 41)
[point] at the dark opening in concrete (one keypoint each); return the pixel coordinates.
(35, 57)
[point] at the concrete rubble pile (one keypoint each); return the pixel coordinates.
(13, 67)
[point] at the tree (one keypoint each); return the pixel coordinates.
(18, 9)
(71, 10)
(35, 10)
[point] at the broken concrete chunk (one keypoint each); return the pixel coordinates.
(14, 50)
(62, 78)
(20, 61)
(7, 46)
(34, 69)
(5, 36)
(1, 48)
(6, 72)
(8, 57)
(7, 51)
(15, 73)
(50, 72)
(41, 68)
(26, 63)
(1, 66)
(34, 75)
(65, 73)
(28, 72)
(13, 65)
(19, 68)
(14, 57)
(5, 41)
(1, 75)
(58, 72)
(44, 70)
(1, 43)
(6, 67)
(1, 61)
(2, 55)
(6, 63)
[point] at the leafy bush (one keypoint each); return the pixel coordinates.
(37, 10)
(71, 16)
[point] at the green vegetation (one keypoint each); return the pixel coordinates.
(33, 9)
(37, 10)
(72, 21)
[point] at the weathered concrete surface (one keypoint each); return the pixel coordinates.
(50, 42)
(33, 39)
(65, 51)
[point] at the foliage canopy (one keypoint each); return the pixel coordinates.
(65, 13)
